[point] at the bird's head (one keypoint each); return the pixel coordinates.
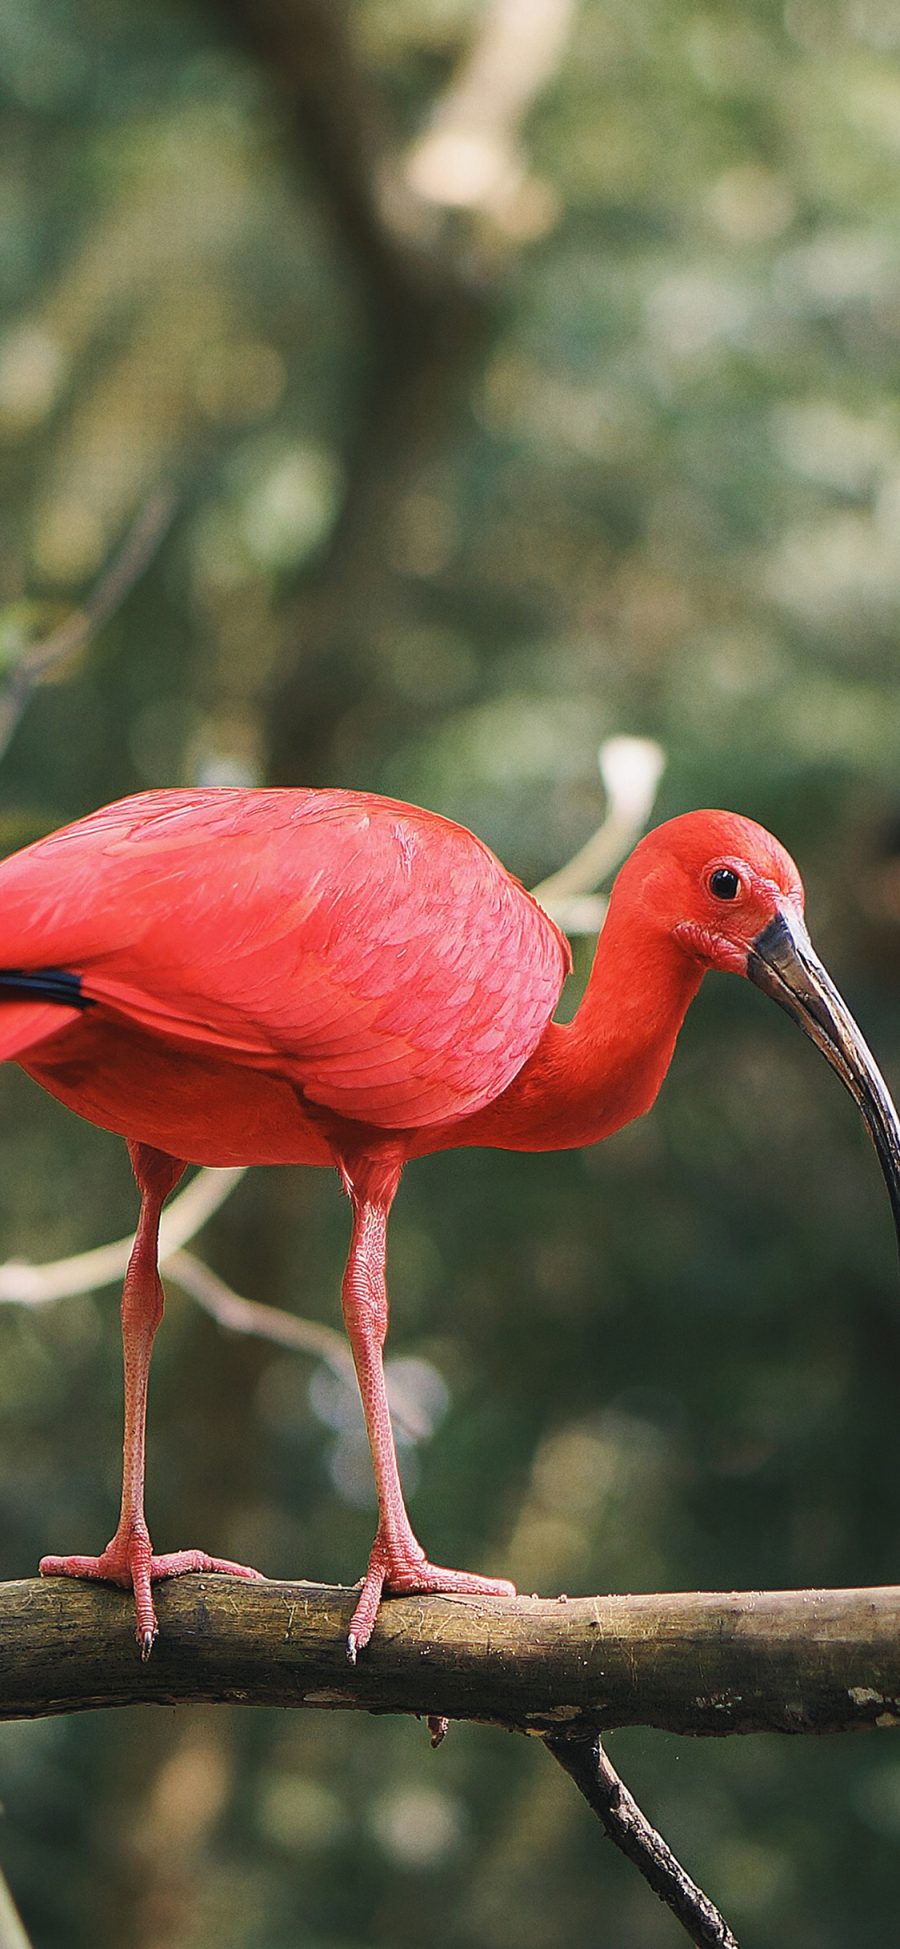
(731, 897)
(714, 882)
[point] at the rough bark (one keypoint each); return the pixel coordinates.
(782, 1661)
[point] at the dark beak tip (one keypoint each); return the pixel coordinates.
(782, 962)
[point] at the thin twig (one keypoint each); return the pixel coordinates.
(251, 1316)
(631, 769)
(584, 1759)
(115, 583)
(23, 1284)
(238, 1315)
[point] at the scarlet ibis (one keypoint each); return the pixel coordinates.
(327, 977)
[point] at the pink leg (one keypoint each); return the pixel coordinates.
(128, 1559)
(397, 1563)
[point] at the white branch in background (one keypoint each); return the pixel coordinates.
(238, 1315)
(631, 769)
(470, 156)
(251, 1316)
(22, 1284)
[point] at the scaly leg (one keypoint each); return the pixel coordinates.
(128, 1559)
(397, 1562)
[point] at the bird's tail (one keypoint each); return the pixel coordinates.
(24, 1024)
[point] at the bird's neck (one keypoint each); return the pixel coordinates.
(590, 1076)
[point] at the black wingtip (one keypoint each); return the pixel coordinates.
(44, 985)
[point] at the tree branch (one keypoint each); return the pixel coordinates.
(631, 769)
(786, 1661)
(118, 579)
(426, 281)
(24, 1284)
(585, 1761)
(700, 1662)
(470, 154)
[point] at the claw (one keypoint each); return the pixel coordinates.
(406, 1572)
(127, 1561)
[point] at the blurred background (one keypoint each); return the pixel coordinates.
(519, 373)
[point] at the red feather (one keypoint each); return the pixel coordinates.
(23, 1025)
(373, 958)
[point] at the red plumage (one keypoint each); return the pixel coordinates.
(342, 952)
(239, 977)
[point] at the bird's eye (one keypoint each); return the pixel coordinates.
(724, 883)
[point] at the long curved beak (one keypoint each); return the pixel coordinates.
(783, 962)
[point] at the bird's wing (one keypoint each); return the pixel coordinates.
(25, 1024)
(377, 956)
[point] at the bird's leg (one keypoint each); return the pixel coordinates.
(397, 1562)
(128, 1558)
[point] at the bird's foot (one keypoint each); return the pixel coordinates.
(129, 1561)
(403, 1570)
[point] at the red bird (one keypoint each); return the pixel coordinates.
(327, 977)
